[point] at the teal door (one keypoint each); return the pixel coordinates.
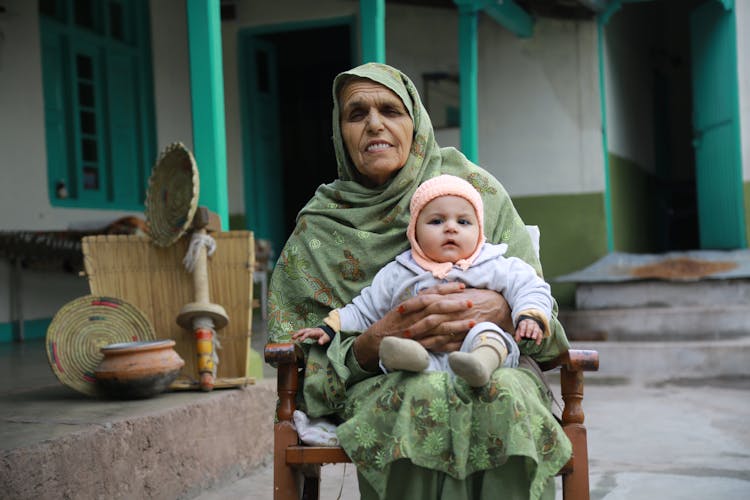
(716, 133)
(263, 166)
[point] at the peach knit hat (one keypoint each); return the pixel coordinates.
(443, 185)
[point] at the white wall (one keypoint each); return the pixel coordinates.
(628, 81)
(171, 68)
(540, 118)
(742, 13)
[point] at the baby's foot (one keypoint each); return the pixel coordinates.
(403, 354)
(467, 366)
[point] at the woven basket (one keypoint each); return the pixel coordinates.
(81, 328)
(155, 280)
(172, 196)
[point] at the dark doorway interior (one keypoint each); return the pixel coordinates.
(675, 194)
(308, 60)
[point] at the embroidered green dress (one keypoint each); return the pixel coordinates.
(411, 435)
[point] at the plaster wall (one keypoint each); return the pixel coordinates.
(540, 119)
(742, 13)
(628, 84)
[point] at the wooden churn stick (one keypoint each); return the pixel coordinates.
(202, 317)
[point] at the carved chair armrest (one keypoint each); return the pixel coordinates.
(572, 365)
(288, 359)
(574, 360)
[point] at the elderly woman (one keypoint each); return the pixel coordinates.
(410, 435)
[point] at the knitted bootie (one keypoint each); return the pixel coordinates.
(403, 354)
(476, 367)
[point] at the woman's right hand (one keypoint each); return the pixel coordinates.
(438, 319)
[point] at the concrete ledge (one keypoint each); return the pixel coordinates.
(649, 362)
(173, 446)
(657, 323)
(659, 293)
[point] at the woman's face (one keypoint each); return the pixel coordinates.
(447, 229)
(376, 128)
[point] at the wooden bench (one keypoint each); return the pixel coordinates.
(296, 468)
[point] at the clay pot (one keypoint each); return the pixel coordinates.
(134, 370)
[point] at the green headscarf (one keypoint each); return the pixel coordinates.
(347, 232)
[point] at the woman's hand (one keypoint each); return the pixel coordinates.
(438, 318)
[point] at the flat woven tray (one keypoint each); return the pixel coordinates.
(172, 197)
(82, 327)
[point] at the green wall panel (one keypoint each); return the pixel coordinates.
(573, 235)
(633, 197)
(32, 329)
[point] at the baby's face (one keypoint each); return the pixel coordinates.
(447, 229)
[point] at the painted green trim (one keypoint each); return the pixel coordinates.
(603, 19)
(372, 27)
(573, 235)
(468, 69)
(32, 329)
(512, 17)
(207, 93)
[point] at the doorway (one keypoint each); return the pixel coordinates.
(287, 104)
(674, 91)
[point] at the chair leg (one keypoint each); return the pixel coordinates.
(287, 481)
(312, 482)
(576, 483)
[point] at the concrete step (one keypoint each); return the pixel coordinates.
(658, 323)
(59, 444)
(658, 361)
(652, 293)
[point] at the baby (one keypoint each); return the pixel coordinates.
(446, 233)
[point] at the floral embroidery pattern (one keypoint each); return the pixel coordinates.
(391, 215)
(481, 184)
(448, 426)
(350, 269)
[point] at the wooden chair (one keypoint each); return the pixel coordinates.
(296, 467)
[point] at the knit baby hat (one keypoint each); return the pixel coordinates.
(443, 185)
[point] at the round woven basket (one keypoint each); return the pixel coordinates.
(172, 196)
(81, 328)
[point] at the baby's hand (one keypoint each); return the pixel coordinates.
(529, 329)
(311, 333)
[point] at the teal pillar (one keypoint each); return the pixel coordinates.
(468, 80)
(372, 26)
(207, 96)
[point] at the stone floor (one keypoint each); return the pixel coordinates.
(661, 434)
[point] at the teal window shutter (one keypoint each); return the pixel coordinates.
(100, 131)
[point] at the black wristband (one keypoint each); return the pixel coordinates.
(330, 331)
(526, 316)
